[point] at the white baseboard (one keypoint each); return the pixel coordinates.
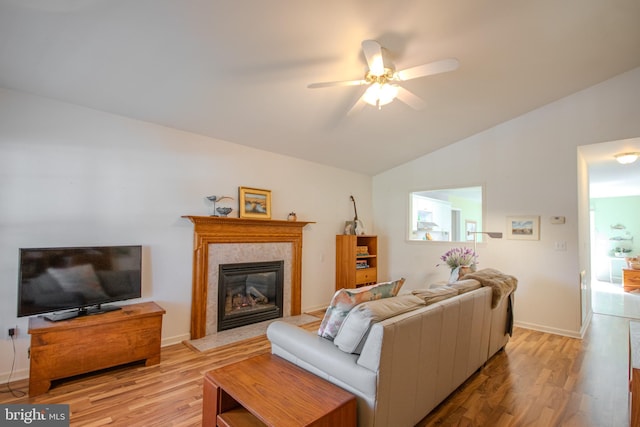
(555, 331)
(319, 307)
(586, 324)
(174, 340)
(20, 374)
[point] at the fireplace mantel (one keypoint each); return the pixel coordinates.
(210, 229)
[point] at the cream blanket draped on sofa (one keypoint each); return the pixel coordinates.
(503, 285)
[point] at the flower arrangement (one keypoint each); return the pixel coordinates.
(458, 257)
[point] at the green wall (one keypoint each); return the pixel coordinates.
(610, 211)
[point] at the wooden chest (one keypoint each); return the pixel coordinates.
(90, 343)
(630, 279)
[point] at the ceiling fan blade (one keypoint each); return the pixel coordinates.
(410, 99)
(373, 53)
(429, 69)
(339, 83)
(357, 107)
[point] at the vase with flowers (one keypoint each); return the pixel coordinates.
(461, 261)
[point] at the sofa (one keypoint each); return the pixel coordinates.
(418, 347)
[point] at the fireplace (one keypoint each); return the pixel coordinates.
(249, 292)
(219, 240)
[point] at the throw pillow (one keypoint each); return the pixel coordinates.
(355, 328)
(345, 299)
(434, 295)
(81, 279)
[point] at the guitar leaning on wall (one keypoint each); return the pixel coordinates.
(357, 227)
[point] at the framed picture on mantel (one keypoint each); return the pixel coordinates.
(254, 203)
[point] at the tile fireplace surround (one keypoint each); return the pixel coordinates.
(219, 240)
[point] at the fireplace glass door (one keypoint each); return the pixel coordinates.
(249, 293)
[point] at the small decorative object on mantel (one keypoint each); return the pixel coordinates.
(292, 216)
(220, 211)
(461, 261)
(223, 211)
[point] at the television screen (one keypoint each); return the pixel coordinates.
(55, 279)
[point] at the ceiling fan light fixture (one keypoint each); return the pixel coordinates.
(626, 158)
(382, 78)
(380, 94)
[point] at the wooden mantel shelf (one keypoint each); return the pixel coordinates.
(242, 222)
(212, 229)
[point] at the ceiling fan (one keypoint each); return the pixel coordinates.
(382, 78)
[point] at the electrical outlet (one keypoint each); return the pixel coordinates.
(12, 332)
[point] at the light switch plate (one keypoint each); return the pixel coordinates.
(560, 246)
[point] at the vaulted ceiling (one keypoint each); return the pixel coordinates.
(238, 70)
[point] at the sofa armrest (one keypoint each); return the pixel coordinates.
(321, 357)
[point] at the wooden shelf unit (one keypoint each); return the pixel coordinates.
(348, 275)
(89, 343)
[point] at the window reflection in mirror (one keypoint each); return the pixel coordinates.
(446, 214)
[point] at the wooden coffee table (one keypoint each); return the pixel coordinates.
(267, 390)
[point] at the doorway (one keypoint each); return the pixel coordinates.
(614, 226)
(607, 292)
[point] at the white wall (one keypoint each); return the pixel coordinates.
(75, 176)
(529, 166)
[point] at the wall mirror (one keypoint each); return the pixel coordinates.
(446, 215)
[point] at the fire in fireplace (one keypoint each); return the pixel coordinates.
(249, 293)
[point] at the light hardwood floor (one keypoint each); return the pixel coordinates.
(538, 380)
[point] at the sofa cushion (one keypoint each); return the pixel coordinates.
(355, 328)
(465, 285)
(435, 294)
(345, 299)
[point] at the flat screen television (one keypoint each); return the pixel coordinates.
(75, 281)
